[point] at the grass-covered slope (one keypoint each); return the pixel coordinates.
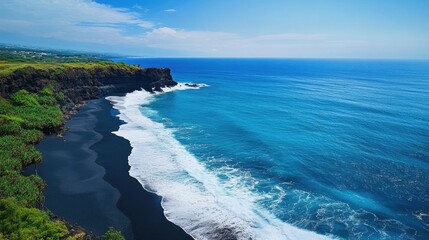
(7, 68)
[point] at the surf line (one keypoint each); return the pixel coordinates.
(192, 197)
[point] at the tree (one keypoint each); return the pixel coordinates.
(112, 234)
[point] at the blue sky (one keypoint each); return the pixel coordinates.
(223, 28)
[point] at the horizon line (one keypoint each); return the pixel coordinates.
(285, 58)
(122, 55)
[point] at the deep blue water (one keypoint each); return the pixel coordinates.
(338, 147)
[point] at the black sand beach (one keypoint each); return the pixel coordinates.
(88, 181)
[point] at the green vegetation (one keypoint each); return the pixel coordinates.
(23, 98)
(24, 189)
(30, 111)
(24, 117)
(18, 222)
(14, 58)
(25, 54)
(55, 69)
(22, 120)
(112, 234)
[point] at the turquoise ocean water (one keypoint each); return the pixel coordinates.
(277, 149)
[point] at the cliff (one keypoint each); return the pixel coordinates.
(33, 98)
(80, 82)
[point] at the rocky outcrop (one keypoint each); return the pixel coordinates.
(84, 83)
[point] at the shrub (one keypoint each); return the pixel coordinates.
(9, 164)
(11, 118)
(47, 100)
(5, 106)
(18, 222)
(60, 96)
(47, 91)
(8, 127)
(43, 118)
(11, 147)
(14, 128)
(30, 136)
(46, 96)
(112, 234)
(23, 97)
(28, 190)
(55, 72)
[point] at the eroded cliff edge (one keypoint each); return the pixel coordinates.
(78, 82)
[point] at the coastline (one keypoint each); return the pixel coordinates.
(88, 181)
(204, 210)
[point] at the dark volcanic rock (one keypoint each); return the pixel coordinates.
(191, 85)
(80, 84)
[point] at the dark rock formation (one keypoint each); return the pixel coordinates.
(192, 85)
(80, 83)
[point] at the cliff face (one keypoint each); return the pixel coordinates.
(78, 84)
(83, 83)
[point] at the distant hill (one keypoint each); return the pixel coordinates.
(16, 53)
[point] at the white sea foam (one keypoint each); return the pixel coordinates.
(192, 196)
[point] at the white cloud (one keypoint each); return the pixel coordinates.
(141, 8)
(171, 10)
(194, 41)
(83, 19)
(71, 11)
(87, 22)
(164, 31)
(146, 24)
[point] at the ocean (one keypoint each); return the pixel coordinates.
(285, 148)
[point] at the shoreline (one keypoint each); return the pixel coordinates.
(88, 182)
